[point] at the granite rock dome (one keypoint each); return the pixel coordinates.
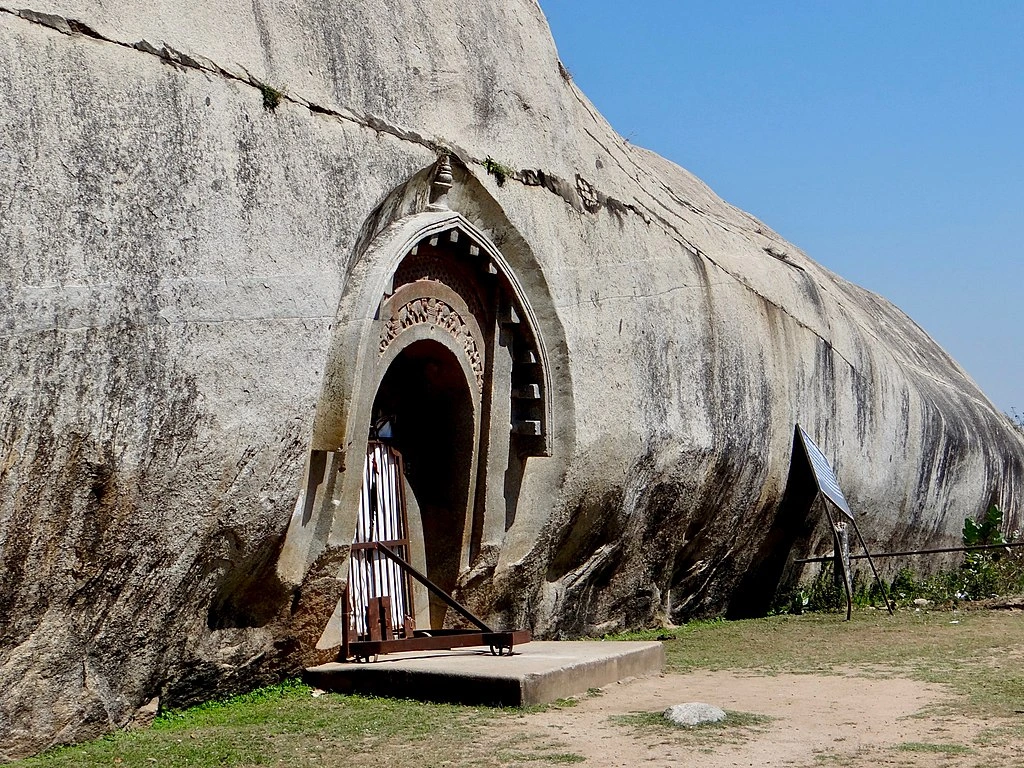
(207, 214)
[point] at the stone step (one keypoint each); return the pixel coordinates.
(537, 673)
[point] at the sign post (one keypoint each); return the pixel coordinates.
(828, 486)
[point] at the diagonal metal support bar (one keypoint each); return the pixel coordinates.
(432, 587)
(914, 552)
(878, 580)
(843, 563)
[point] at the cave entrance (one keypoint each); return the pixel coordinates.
(437, 353)
(424, 409)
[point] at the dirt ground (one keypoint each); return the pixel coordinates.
(815, 720)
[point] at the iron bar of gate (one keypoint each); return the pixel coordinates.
(444, 596)
(410, 599)
(910, 553)
(385, 532)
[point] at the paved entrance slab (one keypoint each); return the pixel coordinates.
(538, 672)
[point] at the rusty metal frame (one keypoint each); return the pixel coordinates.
(381, 635)
(500, 643)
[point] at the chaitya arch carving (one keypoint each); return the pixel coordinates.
(431, 279)
(435, 311)
(436, 246)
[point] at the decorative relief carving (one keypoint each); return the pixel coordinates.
(435, 312)
(443, 181)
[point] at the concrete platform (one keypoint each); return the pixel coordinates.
(538, 672)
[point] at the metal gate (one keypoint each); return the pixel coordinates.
(379, 616)
(379, 590)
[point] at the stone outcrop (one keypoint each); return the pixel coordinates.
(189, 204)
(694, 713)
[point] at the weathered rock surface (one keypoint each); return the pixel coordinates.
(174, 256)
(693, 713)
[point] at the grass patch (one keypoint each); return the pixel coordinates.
(736, 728)
(535, 709)
(947, 749)
(657, 720)
(523, 749)
(285, 726)
(556, 758)
(672, 633)
(1000, 734)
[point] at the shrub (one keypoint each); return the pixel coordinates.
(271, 96)
(982, 574)
(499, 171)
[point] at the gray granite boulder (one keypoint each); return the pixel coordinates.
(206, 221)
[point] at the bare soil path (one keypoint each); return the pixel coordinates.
(815, 720)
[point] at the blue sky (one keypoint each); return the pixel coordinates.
(886, 139)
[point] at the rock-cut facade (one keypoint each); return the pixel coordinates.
(234, 237)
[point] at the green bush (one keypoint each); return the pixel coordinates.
(824, 593)
(271, 96)
(988, 573)
(499, 171)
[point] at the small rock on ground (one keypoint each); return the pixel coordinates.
(694, 713)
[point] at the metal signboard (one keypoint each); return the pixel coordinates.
(824, 475)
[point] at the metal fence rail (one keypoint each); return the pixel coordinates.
(909, 553)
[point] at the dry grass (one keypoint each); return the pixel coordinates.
(977, 653)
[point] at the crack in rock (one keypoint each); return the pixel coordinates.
(582, 196)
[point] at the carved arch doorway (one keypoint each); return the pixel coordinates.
(424, 272)
(426, 408)
(459, 377)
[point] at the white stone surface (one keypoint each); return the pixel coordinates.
(694, 713)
